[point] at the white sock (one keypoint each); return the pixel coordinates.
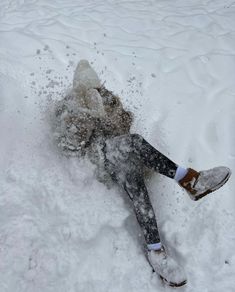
(154, 246)
(180, 173)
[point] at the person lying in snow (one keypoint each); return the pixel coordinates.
(91, 121)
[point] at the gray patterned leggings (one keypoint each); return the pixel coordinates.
(126, 157)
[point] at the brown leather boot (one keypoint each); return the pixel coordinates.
(199, 184)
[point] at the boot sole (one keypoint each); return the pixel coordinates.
(172, 284)
(198, 197)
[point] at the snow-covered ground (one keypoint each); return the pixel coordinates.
(173, 64)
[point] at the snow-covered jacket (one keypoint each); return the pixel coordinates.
(88, 114)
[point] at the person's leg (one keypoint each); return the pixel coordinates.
(163, 264)
(146, 153)
(197, 184)
(135, 188)
(151, 157)
(126, 168)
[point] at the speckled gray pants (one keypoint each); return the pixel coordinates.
(126, 157)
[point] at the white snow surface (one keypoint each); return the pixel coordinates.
(173, 64)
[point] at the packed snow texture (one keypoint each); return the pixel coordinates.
(173, 65)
